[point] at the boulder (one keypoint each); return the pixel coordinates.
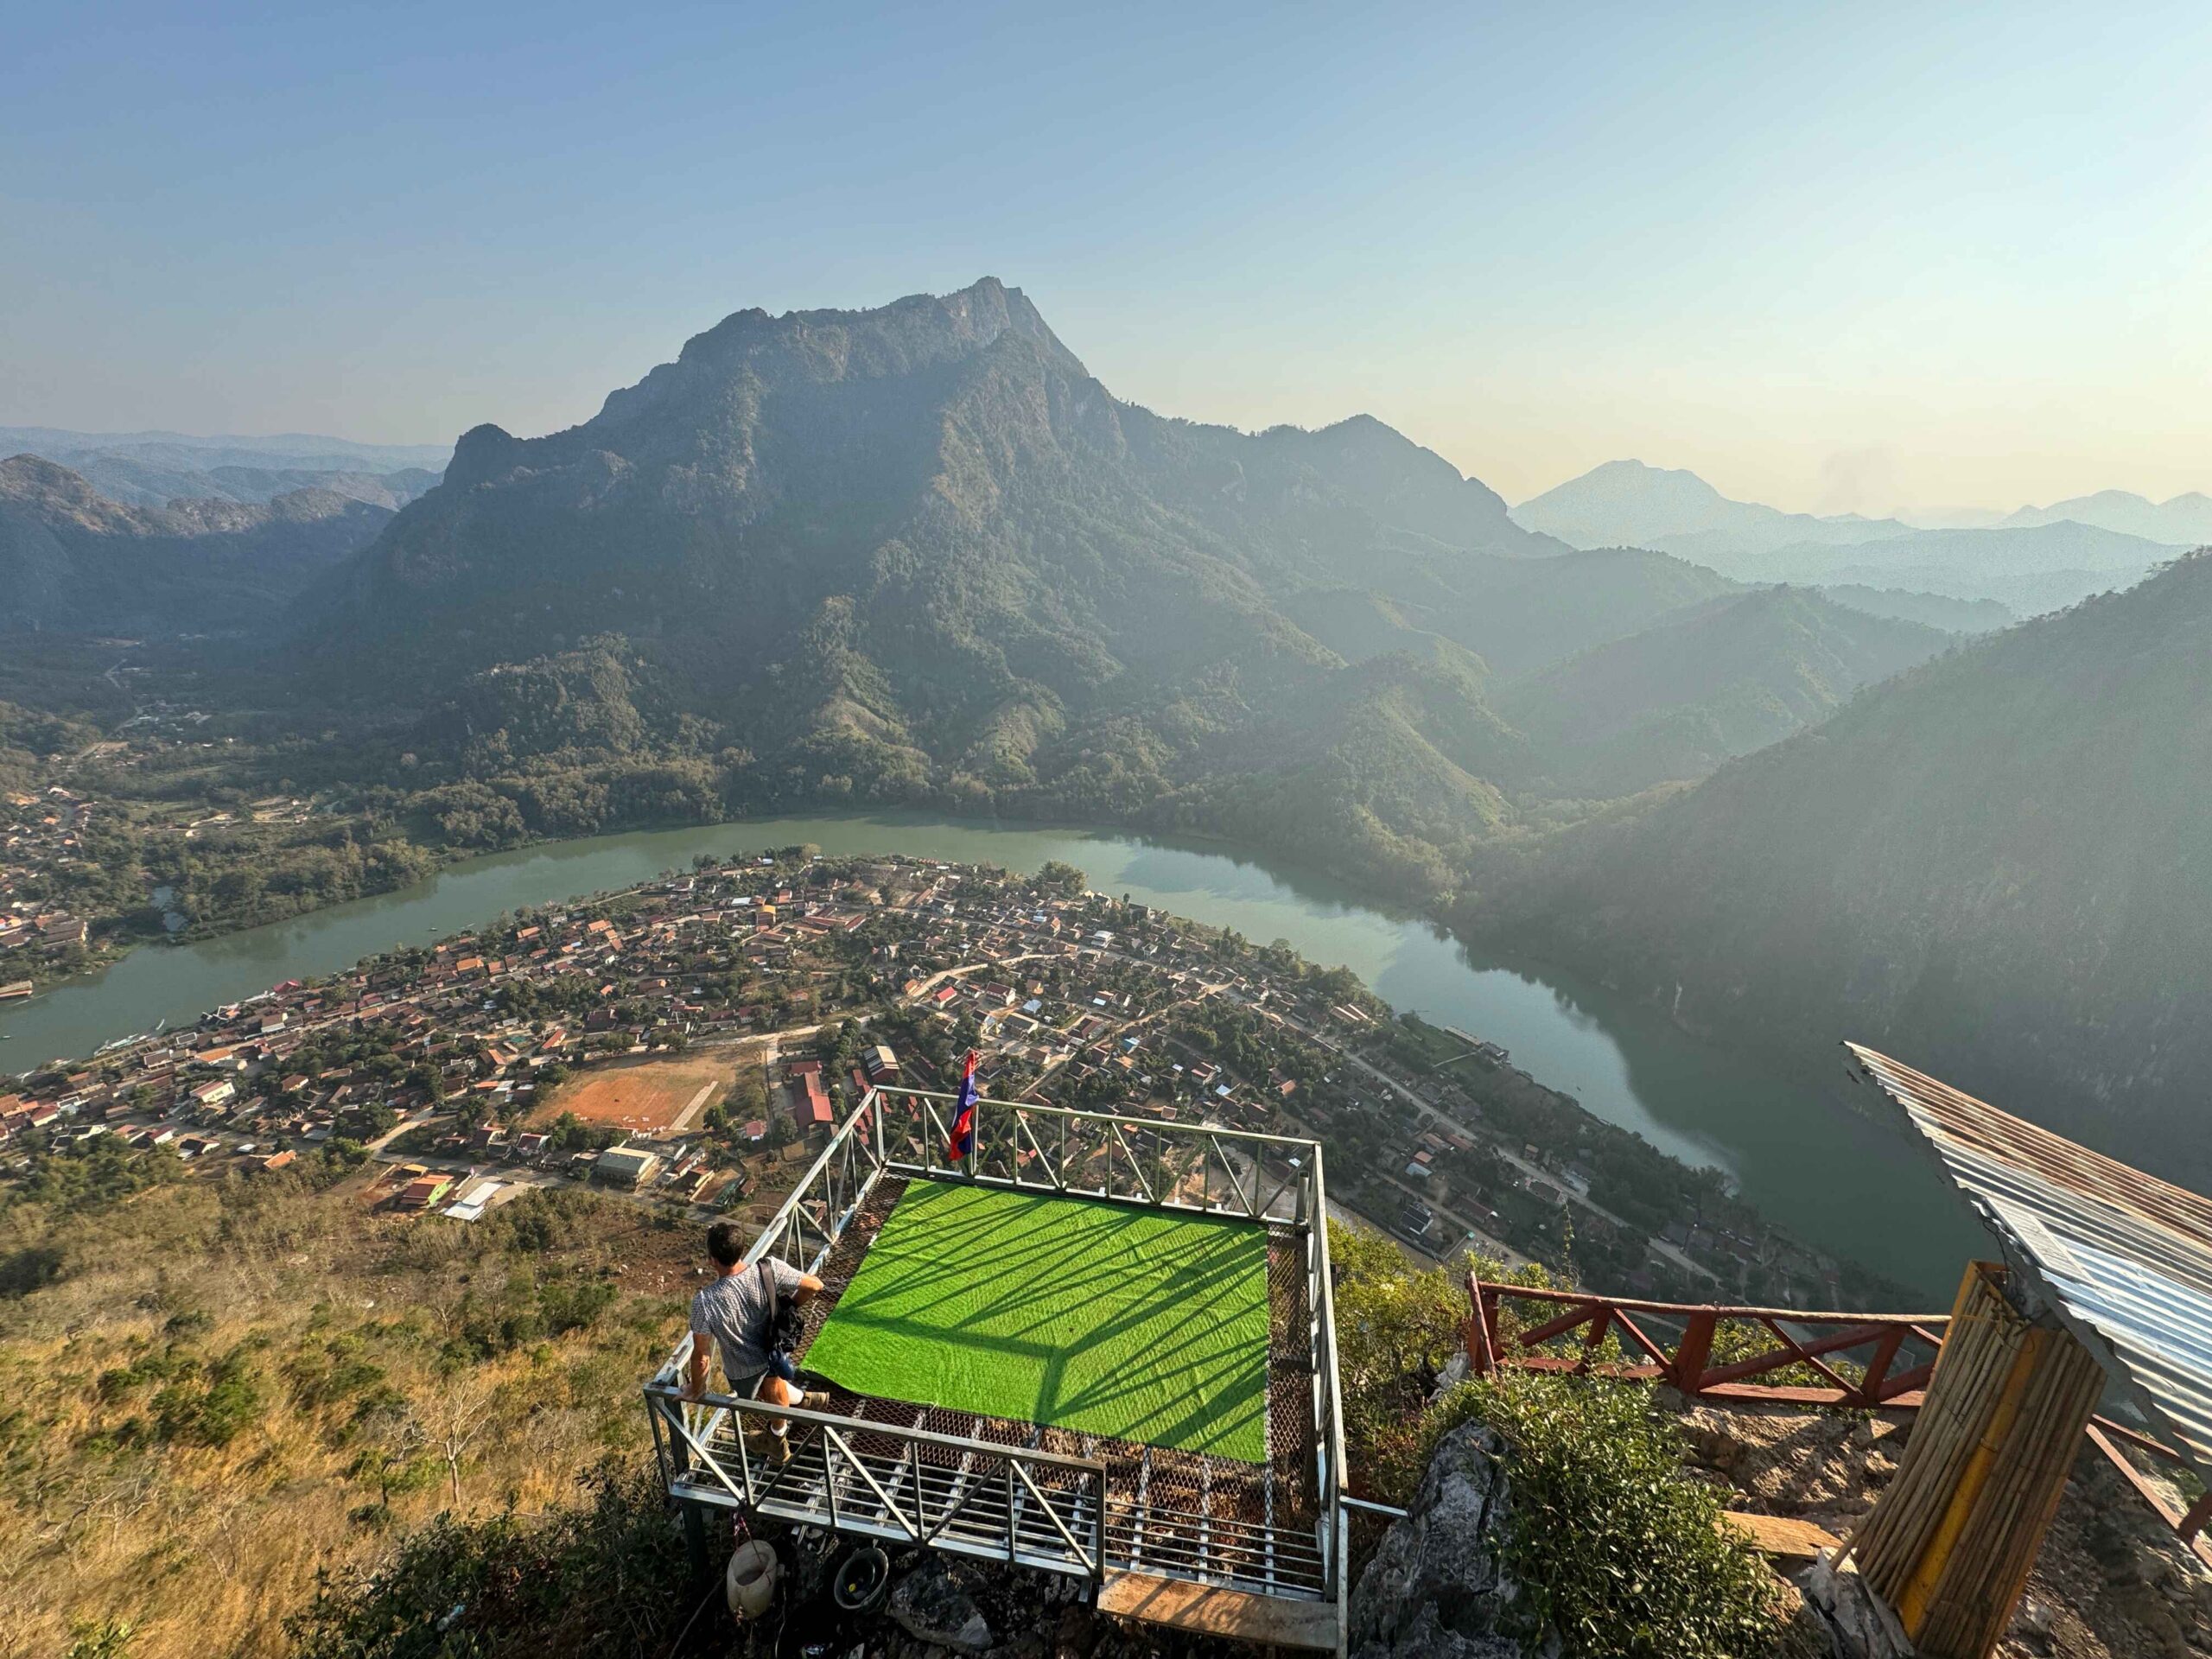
(931, 1608)
(1438, 1587)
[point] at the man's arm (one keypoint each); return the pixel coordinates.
(799, 1288)
(694, 1380)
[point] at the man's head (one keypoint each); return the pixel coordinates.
(726, 1243)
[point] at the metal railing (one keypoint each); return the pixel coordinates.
(1160, 1163)
(906, 1485)
(982, 1497)
(1329, 1438)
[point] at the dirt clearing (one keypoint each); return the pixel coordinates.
(652, 1097)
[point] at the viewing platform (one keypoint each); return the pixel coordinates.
(1103, 1349)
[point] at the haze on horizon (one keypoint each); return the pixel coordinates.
(1851, 259)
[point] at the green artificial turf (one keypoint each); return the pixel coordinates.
(1134, 1323)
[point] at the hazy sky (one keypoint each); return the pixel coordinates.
(1827, 257)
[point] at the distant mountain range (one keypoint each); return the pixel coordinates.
(2037, 560)
(72, 559)
(154, 468)
(1997, 864)
(1627, 504)
(2185, 521)
(2030, 569)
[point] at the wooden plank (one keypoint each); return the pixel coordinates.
(1212, 1611)
(1780, 1536)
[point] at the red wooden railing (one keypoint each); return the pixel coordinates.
(1682, 1355)
(1684, 1358)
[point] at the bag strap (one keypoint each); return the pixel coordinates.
(775, 1291)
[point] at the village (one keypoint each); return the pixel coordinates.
(41, 838)
(690, 1043)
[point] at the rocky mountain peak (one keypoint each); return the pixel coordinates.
(482, 453)
(918, 333)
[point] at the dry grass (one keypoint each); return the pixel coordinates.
(645, 1097)
(111, 1507)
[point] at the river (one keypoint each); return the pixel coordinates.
(1815, 1153)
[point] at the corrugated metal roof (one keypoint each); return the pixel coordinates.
(2125, 1259)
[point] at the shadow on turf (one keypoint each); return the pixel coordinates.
(1185, 1393)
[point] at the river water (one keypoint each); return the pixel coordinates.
(1815, 1153)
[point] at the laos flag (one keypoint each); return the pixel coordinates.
(963, 1116)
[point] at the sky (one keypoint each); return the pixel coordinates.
(1837, 258)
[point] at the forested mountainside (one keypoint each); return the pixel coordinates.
(1715, 681)
(1517, 614)
(998, 526)
(72, 558)
(919, 554)
(1998, 866)
(916, 553)
(1932, 610)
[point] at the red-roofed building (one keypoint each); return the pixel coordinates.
(814, 1111)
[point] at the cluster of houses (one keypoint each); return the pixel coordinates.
(42, 835)
(461, 1031)
(1070, 998)
(1063, 1008)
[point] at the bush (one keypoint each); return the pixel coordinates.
(212, 1409)
(33, 1267)
(609, 1577)
(1619, 1547)
(1397, 1327)
(1621, 1550)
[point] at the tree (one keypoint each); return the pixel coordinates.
(1058, 876)
(454, 1420)
(396, 1464)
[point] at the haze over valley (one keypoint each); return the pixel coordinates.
(919, 556)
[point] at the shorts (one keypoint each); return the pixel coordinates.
(781, 1365)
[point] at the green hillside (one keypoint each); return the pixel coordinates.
(1998, 867)
(71, 559)
(1705, 684)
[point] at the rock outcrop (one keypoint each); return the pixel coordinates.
(1438, 1587)
(929, 1605)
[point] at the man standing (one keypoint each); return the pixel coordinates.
(737, 1313)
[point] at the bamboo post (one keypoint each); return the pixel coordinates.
(1952, 1542)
